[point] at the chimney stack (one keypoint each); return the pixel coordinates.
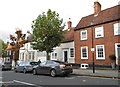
(97, 8)
(69, 23)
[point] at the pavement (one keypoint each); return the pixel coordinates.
(106, 73)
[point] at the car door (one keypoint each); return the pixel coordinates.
(40, 68)
(47, 67)
(18, 67)
(21, 66)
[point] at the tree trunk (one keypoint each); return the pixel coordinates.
(16, 57)
(48, 56)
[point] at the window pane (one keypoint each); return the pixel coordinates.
(116, 28)
(99, 32)
(71, 52)
(84, 35)
(55, 55)
(84, 52)
(100, 52)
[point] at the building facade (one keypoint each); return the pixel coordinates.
(28, 53)
(97, 36)
(65, 52)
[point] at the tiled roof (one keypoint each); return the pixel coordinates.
(107, 15)
(69, 35)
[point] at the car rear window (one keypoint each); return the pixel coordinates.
(34, 63)
(60, 62)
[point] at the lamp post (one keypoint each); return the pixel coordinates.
(92, 49)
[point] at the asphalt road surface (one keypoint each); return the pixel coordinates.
(11, 79)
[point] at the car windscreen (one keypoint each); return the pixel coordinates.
(34, 63)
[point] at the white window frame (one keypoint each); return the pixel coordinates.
(81, 34)
(54, 55)
(99, 31)
(116, 29)
(86, 52)
(33, 56)
(102, 58)
(116, 47)
(71, 56)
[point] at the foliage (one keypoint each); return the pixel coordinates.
(2, 49)
(112, 57)
(47, 31)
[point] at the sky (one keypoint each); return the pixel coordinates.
(20, 13)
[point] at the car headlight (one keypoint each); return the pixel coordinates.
(62, 66)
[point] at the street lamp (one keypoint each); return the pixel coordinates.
(92, 49)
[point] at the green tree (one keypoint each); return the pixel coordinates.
(47, 31)
(3, 52)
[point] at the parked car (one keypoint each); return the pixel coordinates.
(53, 68)
(25, 66)
(6, 66)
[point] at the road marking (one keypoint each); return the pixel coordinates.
(1, 82)
(105, 78)
(69, 77)
(24, 83)
(84, 80)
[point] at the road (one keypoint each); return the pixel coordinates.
(12, 78)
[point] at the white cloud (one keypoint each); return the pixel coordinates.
(21, 13)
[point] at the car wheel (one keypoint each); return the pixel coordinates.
(53, 73)
(24, 71)
(34, 72)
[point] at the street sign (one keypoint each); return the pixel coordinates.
(92, 49)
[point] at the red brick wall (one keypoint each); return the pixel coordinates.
(108, 41)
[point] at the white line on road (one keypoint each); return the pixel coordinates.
(25, 83)
(69, 77)
(6, 82)
(98, 77)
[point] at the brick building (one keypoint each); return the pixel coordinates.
(96, 36)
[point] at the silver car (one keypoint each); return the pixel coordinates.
(25, 66)
(6, 66)
(53, 68)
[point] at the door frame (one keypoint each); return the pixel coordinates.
(65, 50)
(116, 52)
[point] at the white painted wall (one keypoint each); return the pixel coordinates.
(57, 50)
(31, 54)
(60, 52)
